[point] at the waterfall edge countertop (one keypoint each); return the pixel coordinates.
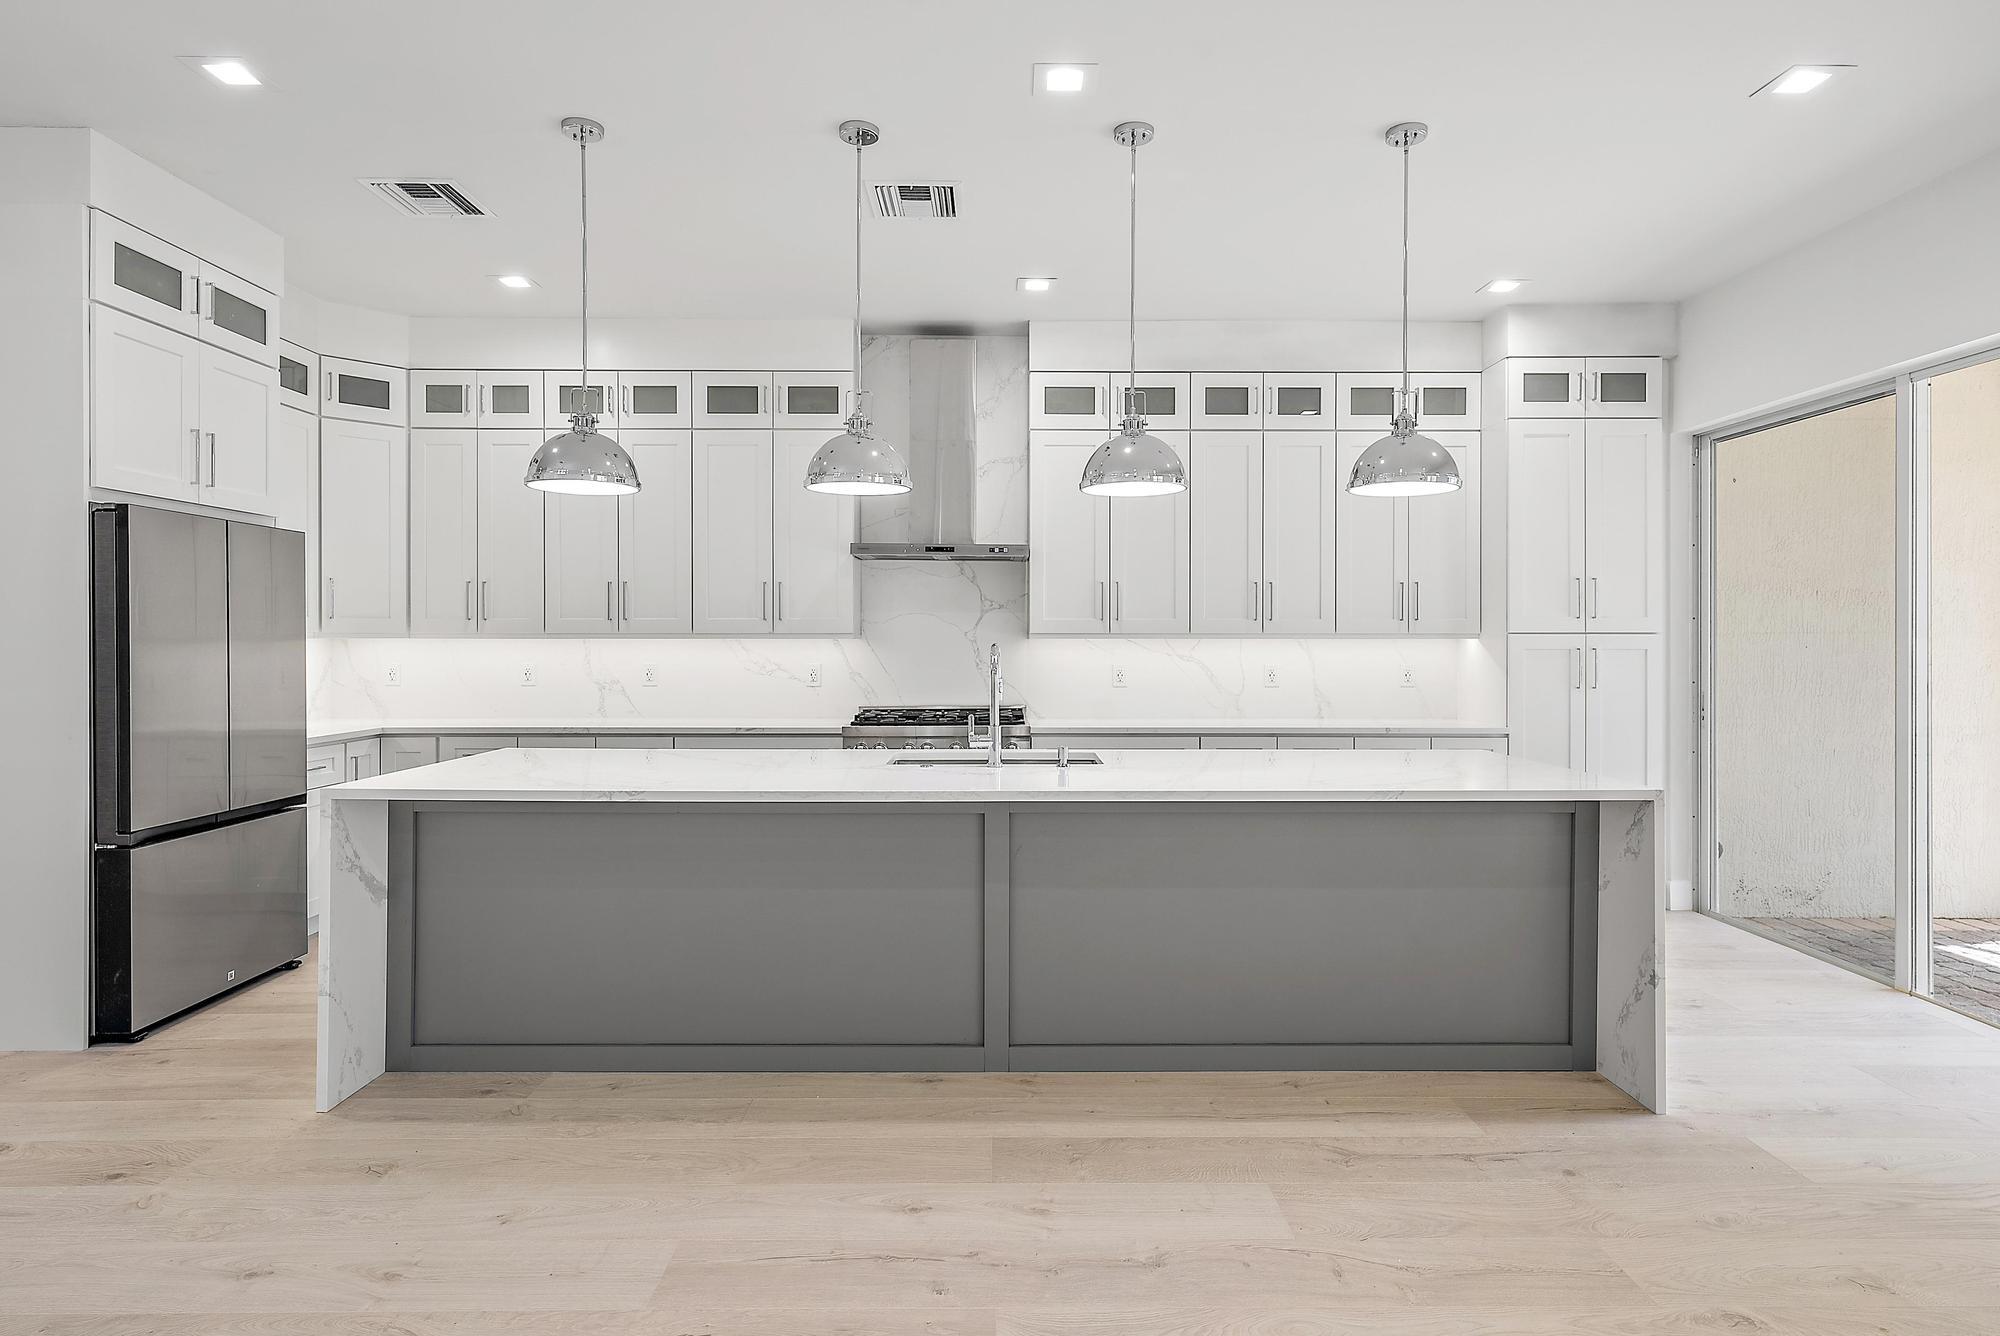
(861, 776)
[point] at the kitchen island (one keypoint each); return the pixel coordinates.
(581, 910)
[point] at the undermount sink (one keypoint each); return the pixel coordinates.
(978, 758)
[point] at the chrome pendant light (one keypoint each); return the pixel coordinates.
(1404, 463)
(1134, 462)
(583, 460)
(856, 462)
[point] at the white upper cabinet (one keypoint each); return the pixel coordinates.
(1165, 399)
(1149, 560)
(655, 536)
(564, 395)
(1225, 500)
(1546, 706)
(239, 416)
(1445, 401)
(508, 600)
(1625, 506)
(1544, 387)
(1294, 402)
(580, 564)
(363, 392)
(732, 474)
(732, 399)
(1625, 708)
(1302, 487)
(364, 528)
(1545, 525)
(444, 398)
(444, 532)
(1372, 541)
(510, 399)
(1226, 401)
(145, 407)
(810, 401)
(1069, 539)
(1079, 400)
(238, 315)
(813, 574)
(135, 271)
(298, 377)
(655, 399)
(1586, 387)
(1441, 538)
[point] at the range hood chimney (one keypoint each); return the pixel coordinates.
(944, 386)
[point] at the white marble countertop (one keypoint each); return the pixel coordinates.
(832, 776)
(323, 731)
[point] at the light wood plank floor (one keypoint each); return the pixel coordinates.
(1833, 1168)
(1966, 960)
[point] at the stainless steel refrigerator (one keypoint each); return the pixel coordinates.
(199, 736)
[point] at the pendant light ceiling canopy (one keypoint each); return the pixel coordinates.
(1134, 462)
(583, 461)
(857, 462)
(1404, 463)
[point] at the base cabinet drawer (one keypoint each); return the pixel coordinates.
(326, 765)
(560, 740)
(1392, 744)
(1314, 742)
(1120, 741)
(455, 747)
(718, 741)
(1238, 742)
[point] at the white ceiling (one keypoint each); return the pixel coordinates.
(1606, 149)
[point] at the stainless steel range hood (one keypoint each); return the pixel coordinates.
(943, 389)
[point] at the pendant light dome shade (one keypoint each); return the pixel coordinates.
(1404, 464)
(583, 461)
(856, 462)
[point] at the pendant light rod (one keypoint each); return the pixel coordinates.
(1133, 135)
(584, 132)
(861, 134)
(1405, 137)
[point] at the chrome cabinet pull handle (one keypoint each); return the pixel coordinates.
(1579, 668)
(1099, 614)
(329, 598)
(468, 600)
(1593, 668)
(211, 459)
(482, 401)
(1579, 387)
(625, 400)
(1256, 602)
(780, 606)
(609, 615)
(194, 439)
(624, 600)
(764, 601)
(482, 600)
(1416, 601)
(1270, 601)
(1576, 597)
(1593, 596)
(1399, 601)
(1117, 600)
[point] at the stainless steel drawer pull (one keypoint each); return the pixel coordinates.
(1416, 601)
(482, 600)
(1399, 601)
(211, 459)
(1270, 601)
(194, 439)
(610, 613)
(624, 600)
(781, 600)
(1117, 600)
(1256, 602)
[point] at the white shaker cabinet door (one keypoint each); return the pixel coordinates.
(1069, 538)
(238, 315)
(145, 407)
(1626, 689)
(444, 398)
(1625, 506)
(564, 394)
(1546, 717)
(1300, 402)
(239, 408)
(1443, 535)
(580, 564)
(444, 532)
(655, 536)
(1070, 400)
(1373, 594)
(740, 399)
(508, 600)
(1302, 487)
(510, 399)
(811, 401)
(1545, 387)
(363, 391)
(1149, 559)
(1545, 525)
(1627, 387)
(364, 528)
(1225, 500)
(732, 532)
(137, 272)
(813, 571)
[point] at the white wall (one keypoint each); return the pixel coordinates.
(45, 548)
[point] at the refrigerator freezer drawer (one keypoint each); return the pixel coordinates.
(180, 920)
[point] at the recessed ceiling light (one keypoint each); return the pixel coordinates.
(1070, 78)
(514, 280)
(1034, 284)
(1503, 284)
(1800, 79)
(232, 72)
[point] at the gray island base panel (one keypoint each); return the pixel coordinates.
(701, 918)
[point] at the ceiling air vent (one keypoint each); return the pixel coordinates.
(420, 198)
(925, 199)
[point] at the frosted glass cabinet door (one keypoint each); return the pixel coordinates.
(508, 600)
(1226, 401)
(1625, 693)
(1545, 699)
(1149, 560)
(1442, 536)
(655, 536)
(1545, 526)
(813, 573)
(145, 407)
(238, 315)
(1298, 402)
(1070, 400)
(1625, 517)
(810, 400)
(444, 532)
(732, 532)
(363, 391)
(655, 399)
(1630, 387)
(239, 406)
(1166, 398)
(564, 393)
(580, 564)
(1302, 486)
(1225, 499)
(444, 398)
(298, 377)
(364, 528)
(510, 399)
(1069, 535)
(135, 271)
(1545, 387)
(1373, 595)
(732, 399)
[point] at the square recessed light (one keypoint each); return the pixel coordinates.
(1503, 284)
(514, 280)
(1065, 78)
(1800, 79)
(232, 72)
(1034, 284)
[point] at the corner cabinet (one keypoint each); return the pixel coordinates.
(1099, 565)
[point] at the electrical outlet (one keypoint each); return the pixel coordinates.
(1409, 678)
(528, 676)
(1270, 675)
(395, 675)
(1117, 674)
(649, 676)
(812, 675)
